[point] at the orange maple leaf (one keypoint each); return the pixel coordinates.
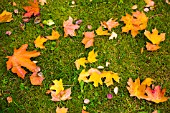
(110, 24)
(21, 57)
(151, 47)
(32, 10)
(156, 95)
(36, 79)
(55, 35)
(61, 110)
(5, 16)
(88, 39)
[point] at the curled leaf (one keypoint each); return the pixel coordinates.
(5, 16)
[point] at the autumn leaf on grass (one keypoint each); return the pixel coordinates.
(62, 95)
(21, 57)
(137, 89)
(109, 75)
(32, 10)
(110, 24)
(9, 99)
(100, 31)
(80, 62)
(92, 56)
(154, 37)
(55, 35)
(96, 78)
(149, 3)
(39, 42)
(36, 79)
(42, 2)
(61, 110)
(83, 111)
(83, 76)
(5, 16)
(151, 47)
(88, 39)
(58, 86)
(156, 95)
(69, 27)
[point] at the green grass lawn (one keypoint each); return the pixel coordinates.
(57, 60)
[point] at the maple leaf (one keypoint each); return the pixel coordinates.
(21, 57)
(36, 79)
(55, 35)
(154, 37)
(100, 31)
(32, 10)
(61, 110)
(96, 78)
(149, 3)
(156, 95)
(88, 39)
(109, 75)
(110, 24)
(5, 16)
(92, 56)
(83, 76)
(137, 89)
(40, 41)
(69, 27)
(151, 47)
(80, 62)
(42, 2)
(58, 86)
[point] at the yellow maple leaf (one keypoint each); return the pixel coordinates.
(83, 76)
(55, 35)
(80, 62)
(109, 75)
(100, 31)
(154, 37)
(5, 16)
(96, 78)
(40, 41)
(61, 110)
(92, 56)
(58, 86)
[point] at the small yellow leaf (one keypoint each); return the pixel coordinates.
(80, 62)
(58, 86)
(61, 110)
(5, 16)
(92, 56)
(83, 76)
(39, 42)
(96, 78)
(100, 31)
(55, 35)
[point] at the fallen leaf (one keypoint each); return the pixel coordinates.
(80, 62)
(32, 10)
(79, 21)
(96, 79)
(83, 76)
(48, 22)
(152, 47)
(16, 11)
(100, 31)
(61, 110)
(35, 79)
(116, 90)
(92, 56)
(154, 37)
(149, 3)
(39, 42)
(9, 99)
(5, 16)
(8, 33)
(89, 27)
(83, 111)
(155, 111)
(58, 86)
(167, 1)
(55, 35)
(113, 35)
(134, 7)
(26, 19)
(62, 95)
(156, 95)
(21, 57)
(69, 27)
(146, 9)
(14, 4)
(92, 70)
(42, 2)
(110, 24)
(37, 20)
(88, 39)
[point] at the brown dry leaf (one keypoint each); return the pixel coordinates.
(35, 79)
(61, 110)
(83, 76)
(80, 62)
(110, 24)
(100, 31)
(55, 35)
(39, 42)
(62, 95)
(152, 47)
(154, 37)
(88, 39)
(92, 56)
(21, 57)
(9, 99)
(156, 95)
(5, 16)
(42, 2)
(69, 27)
(58, 86)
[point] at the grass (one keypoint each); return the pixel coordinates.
(57, 60)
